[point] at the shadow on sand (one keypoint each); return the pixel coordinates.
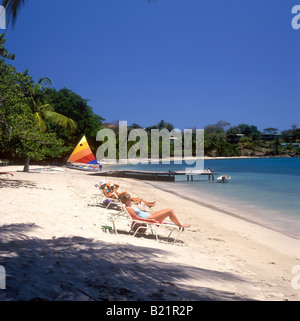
(17, 183)
(77, 268)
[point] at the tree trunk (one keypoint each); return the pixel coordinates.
(26, 166)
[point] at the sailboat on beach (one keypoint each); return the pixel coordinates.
(82, 157)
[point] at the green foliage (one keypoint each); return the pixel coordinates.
(19, 131)
(37, 121)
(161, 125)
(73, 106)
(3, 52)
(270, 130)
(30, 127)
(247, 130)
(291, 135)
(216, 144)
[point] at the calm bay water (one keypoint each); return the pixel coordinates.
(264, 190)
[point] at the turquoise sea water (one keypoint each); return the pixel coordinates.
(263, 190)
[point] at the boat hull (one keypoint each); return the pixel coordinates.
(83, 168)
(224, 179)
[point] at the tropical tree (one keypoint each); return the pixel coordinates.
(72, 105)
(43, 112)
(161, 125)
(222, 124)
(291, 135)
(22, 128)
(20, 134)
(135, 126)
(215, 141)
(247, 130)
(270, 130)
(164, 125)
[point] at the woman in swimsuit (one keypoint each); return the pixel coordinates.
(157, 217)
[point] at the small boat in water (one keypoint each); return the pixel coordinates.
(224, 178)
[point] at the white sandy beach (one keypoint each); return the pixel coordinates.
(53, 247)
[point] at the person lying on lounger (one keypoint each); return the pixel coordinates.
(157, 217)
(113, 188)
(103, 186)
(110, 191)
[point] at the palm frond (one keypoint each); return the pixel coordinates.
(12, 8)
(59, 119)
(45, 81)
(41, 108)
(40, 121)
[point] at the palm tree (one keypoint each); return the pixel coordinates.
(42, 112)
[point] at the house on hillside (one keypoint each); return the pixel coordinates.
(270, 136)
(234, 138)
(293, 145)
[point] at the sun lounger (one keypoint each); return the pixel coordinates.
(138, 226)
(98, 197)
(101, 197)
(4, 162)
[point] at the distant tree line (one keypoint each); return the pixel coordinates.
(221, 139)
(40, 123)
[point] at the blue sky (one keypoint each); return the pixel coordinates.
(188, 62)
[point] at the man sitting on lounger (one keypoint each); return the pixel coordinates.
(157, 217)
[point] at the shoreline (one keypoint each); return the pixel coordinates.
(168, 190)
(149, 160)
(51, 232)
(224, 211)
(249, 212)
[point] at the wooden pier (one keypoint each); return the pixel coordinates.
(168, 176)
